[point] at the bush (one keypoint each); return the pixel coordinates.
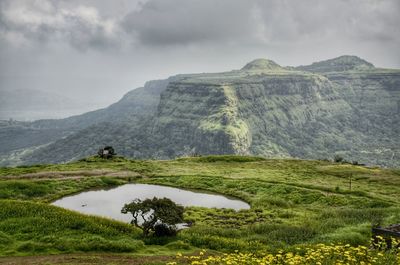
(338, 159)
(106, 152)
(111, 181)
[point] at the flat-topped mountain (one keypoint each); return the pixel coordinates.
(341, 106)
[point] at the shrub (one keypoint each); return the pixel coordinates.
(106, 152)
(338, 159)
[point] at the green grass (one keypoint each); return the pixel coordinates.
(49, 190)
(224, 158)
(293, 203)
(29, 228)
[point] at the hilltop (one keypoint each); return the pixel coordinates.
(262, 64)
(339, 64)
(343, 106)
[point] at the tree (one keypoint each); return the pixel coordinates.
(155, 215)
(106, 152)
(338, 159)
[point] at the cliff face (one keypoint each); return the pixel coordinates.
(259, 110)
(374, 97)
(282, 111)
(342, 106)
(375, 100)
(201, 118)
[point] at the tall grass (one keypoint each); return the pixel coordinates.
(293, 202)
(28, 227)
(48, 190)
(226, 158)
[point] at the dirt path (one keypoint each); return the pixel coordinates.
(75, 174)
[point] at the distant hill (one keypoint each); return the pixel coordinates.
(32, 104)
(339, 64)
(343, 106)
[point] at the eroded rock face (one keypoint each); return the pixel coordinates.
(246, 113)
(375, 100)
(374, 97)
(342, 106)
(202, 118)
(349, 107)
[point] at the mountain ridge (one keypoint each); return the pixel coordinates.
(338, 64)
(342, 106)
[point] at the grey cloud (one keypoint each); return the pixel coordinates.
(161, 22)
(335, 20)
(98, 24)
(82, 26)
(128, 43)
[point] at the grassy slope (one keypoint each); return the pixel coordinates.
(294, 202)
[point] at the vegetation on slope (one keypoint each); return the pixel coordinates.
(342, 106)
(319, 254)
(32, 228)
(294, 204)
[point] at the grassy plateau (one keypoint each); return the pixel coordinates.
(297, 206)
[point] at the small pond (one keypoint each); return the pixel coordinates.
(108, 203)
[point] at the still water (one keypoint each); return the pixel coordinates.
(108, 203)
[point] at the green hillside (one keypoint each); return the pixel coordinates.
(294, 204)
(342, 106)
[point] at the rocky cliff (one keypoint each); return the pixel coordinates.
(251, 111)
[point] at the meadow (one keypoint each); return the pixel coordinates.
(295, 205)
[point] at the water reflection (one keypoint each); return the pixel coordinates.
(108, 203)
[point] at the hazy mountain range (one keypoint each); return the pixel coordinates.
(342, 106)
(32, 104)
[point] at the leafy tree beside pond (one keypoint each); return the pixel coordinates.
(155, 216)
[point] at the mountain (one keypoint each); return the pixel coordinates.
(343, 106)
(20, 138)
(31, 104)
(340, 64)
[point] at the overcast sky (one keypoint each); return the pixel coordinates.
(97, 50)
